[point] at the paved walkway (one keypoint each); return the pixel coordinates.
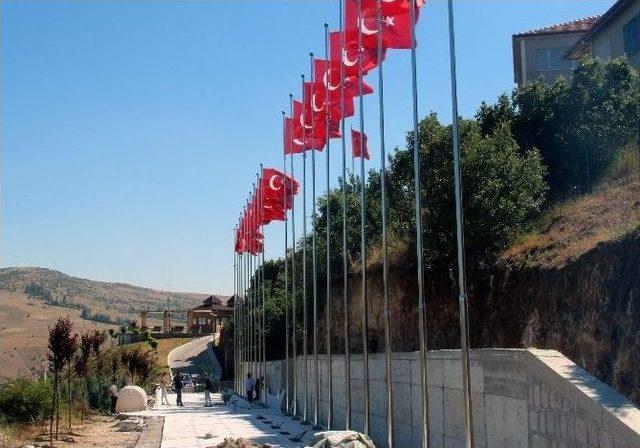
(195, 356)
(195, 426)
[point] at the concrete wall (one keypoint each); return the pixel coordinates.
(525, 55)
(521, 398)
(609, 42)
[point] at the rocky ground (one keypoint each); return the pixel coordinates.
(98, 431)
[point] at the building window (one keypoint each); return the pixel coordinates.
(553, 59)
(631, 33)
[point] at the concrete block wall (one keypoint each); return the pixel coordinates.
(521, 398)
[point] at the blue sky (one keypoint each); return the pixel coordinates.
(132, 131)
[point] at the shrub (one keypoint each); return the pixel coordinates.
(23, 400)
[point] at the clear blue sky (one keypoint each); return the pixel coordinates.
(131, 131)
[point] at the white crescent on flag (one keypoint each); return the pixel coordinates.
(272, 185)
(365, 30)
(302, 122)
(313, 104)
(345, 59)
(327, 81)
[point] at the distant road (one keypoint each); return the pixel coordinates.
(193, 356)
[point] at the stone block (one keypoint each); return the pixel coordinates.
(452, 413)
(402, 402)
(506, 422)
(538, 441)
(131, 399)
(453, 442)
(402, 434)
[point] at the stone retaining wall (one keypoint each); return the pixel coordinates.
(521, 398)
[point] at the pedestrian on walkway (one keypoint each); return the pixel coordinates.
(163, 389)
(177, 385)
(113, 396)
(208, 388)
(249, 385)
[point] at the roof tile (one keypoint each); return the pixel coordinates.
(574, 26)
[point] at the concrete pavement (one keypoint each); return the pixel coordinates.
(195, 426)
(193, 356)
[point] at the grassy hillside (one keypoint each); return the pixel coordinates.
(573, 228)
(24, 328)
(116, 300)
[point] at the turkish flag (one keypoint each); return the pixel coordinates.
(355, 144)
(240, 241)
(274, 184)
(389, 7)
(395, 28)
(313, 137)
(349, 55)
(292, 143)
(329, 75)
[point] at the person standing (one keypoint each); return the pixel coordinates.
(163, 389)
(113, 396)
(249, 385)
(177, 385)
(208, 388)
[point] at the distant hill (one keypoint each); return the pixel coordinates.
(106, 300)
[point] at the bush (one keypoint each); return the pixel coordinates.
(23, 400)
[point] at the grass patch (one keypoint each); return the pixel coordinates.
(572, 228)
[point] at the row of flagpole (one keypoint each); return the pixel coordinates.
(249, 280)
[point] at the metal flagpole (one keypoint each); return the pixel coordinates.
(286, 268)
(363, 248)
(385, 266)
(462, 281)
(294, 398)
(252, 278)
(314, 219)
(422, 331)
(235, 317)
(304, 266)
(345, 271)
(263, 327)
(328, 265)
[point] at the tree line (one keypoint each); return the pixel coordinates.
(520, 155)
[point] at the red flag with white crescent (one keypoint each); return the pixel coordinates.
(355, 144)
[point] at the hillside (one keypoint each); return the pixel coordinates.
(115, 300)
(24, 327)
(572, 285)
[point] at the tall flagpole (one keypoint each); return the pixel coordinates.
(385, 266)
(294, 398)
(422, 331)
(314, 265)
(250, 284)
(263, 334)
(328, 261)
(287, 144)
(345, 270)
(235, 316)
(363, 248)
(462, 281)
(305, 378)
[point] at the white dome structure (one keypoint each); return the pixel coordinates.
(131, 399)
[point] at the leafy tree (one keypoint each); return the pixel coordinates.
(26, 400)
(62, 345)
(138, 362)
(81, 364)
(578, 124)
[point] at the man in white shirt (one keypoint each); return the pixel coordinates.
(249, 385)
(113, 394)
